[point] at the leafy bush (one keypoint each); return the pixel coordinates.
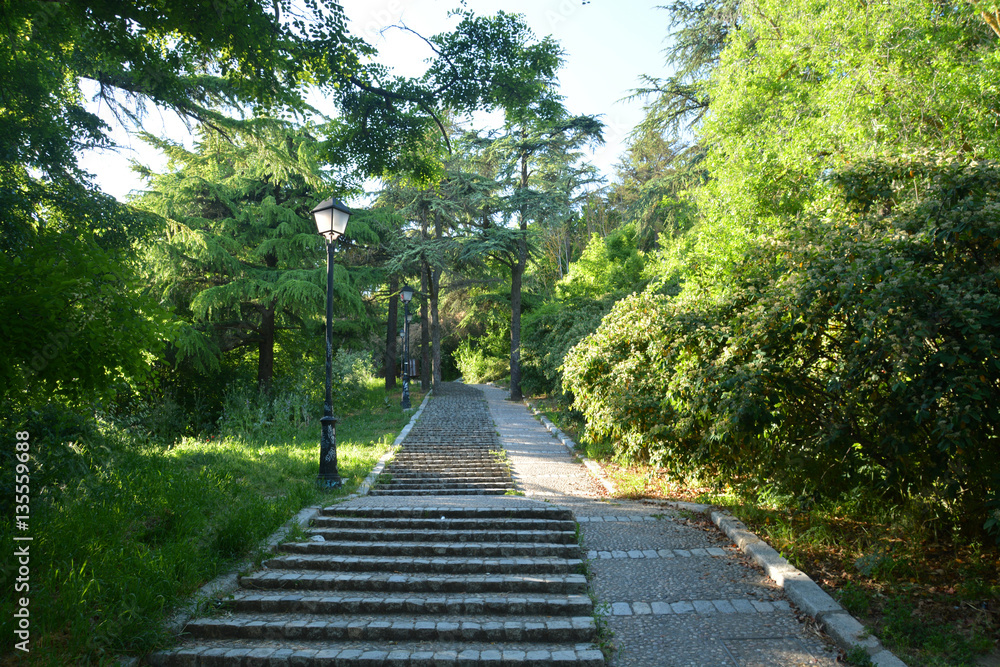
(610, 264)
(551, 332)
(609, 268)
(477, 365)
(857, 347)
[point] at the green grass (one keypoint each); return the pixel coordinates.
(141, 526)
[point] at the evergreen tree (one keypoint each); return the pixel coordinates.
(241, 259)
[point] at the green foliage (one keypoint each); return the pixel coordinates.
(611, 264)
(73, 319)
(550, 333)
(858, 348)
(477, 365)
(125, 530)
(76, 321)
(802, 87)
(241, 261)
(483, 355)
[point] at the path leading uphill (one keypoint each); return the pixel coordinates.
(674, 590)
(438, 565)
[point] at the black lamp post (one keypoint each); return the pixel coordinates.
(406, 293)
(331, 220)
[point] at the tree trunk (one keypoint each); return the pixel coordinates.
(389, 362)
(425, 331)
(265, 351)
(515, 293)
(515, 320)
(435, 322)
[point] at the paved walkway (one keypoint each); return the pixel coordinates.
(675, 590)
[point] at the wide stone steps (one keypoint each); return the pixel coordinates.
(312, 627)
(466, 461)
(424, 582)
(421, 549)
(409, 564)
(321, 580)
(521, 512)
(445, 523)
(276, 653)
(412, 603)
(474, 473)
(426, 486)
(401, 534)
(470, 491)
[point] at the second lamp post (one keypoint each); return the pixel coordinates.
(406, 293)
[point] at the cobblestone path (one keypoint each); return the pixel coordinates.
(674, 590)
(452, 450)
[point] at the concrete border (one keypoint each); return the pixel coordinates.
(805, 593)
(846, 631)
(225, 584)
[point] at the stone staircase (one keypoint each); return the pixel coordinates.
(412, 581)
(420, 585)
(453, 450)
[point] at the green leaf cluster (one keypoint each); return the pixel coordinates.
(857, 348)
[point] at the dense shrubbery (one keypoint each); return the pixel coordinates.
(857, 347)
(549, 333)
(608, 269)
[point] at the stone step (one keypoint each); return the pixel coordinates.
(315, 627)
(440, 481)
(428, 485)
(448, 474)
(457, 523)
(513, 511)
(452, 444)
(429, 535)
(457, 463)
(417, 549)
(472, 469)
(270, 653)
(320, 580)
(497, 491)
(365, 603)
(451, 464)
(409, 564)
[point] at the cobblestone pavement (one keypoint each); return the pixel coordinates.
(675, 590)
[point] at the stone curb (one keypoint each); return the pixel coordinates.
(595, 469)
(225, 584)
(843, 628)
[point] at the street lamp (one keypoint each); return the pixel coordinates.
(331, 220)
(406, 293)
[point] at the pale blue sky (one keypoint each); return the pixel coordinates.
(608, 46)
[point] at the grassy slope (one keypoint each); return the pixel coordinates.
(117, 549)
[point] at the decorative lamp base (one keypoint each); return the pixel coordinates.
(329, 477)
